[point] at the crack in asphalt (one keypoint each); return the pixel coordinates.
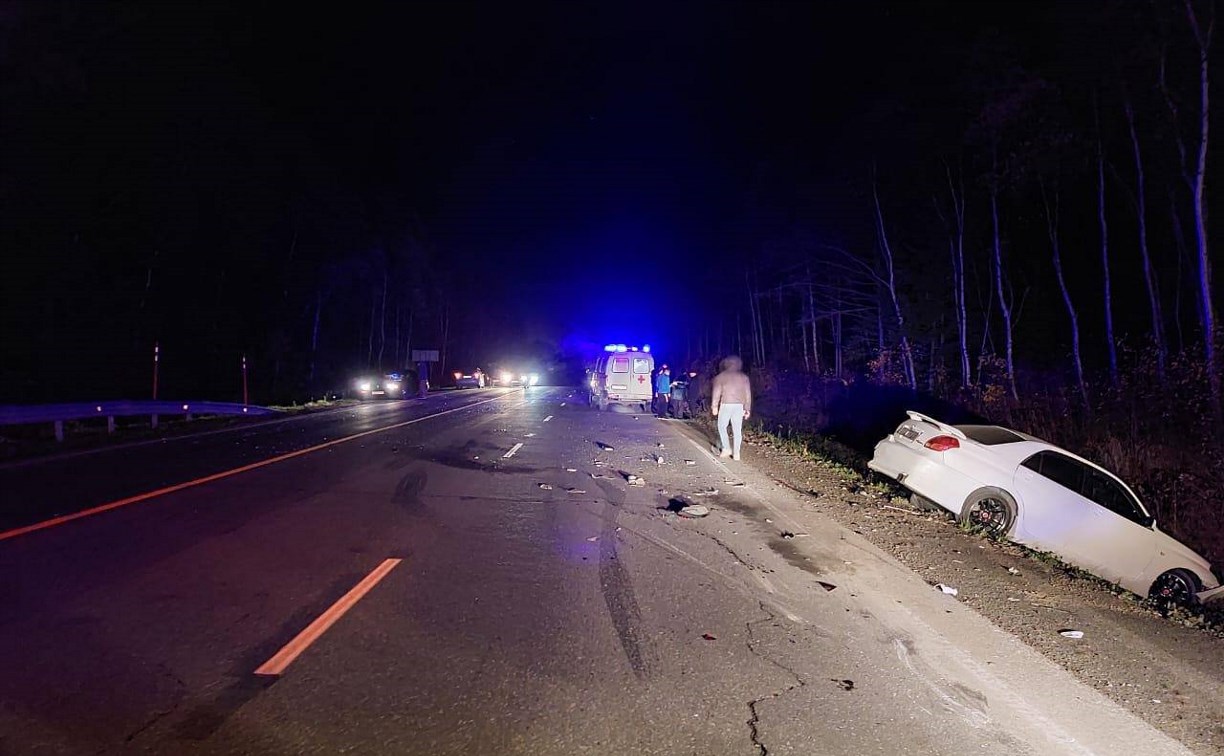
(754, 721)
(160, 715)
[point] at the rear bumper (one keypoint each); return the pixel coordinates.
(924, 473)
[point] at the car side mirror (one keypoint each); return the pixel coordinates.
(1148, 521)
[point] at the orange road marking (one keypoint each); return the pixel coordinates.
(43, 525)
(294, 648)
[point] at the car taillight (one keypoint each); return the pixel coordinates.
(942, 443)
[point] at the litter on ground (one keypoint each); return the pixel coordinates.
(545, 487)
(694, 511)
(1071, 633)
(947, 589)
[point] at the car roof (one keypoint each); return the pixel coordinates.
(1024, 447)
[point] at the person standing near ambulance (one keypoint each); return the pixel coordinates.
(731, 403)
(662, 391)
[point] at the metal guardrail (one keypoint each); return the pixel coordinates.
(16, 414)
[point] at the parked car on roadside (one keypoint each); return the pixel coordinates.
(1014, 486)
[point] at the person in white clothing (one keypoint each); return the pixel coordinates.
(731, 403)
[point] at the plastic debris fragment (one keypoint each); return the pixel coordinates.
(947, 589)
(694, 511)
(1077, 634)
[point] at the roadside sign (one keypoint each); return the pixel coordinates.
(424, 355)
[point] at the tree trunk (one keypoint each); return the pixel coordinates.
(370, 339)
(1000, 290)
(958, 277)
(314, 335)
(1198, 186)
(907, 357)
(1056, 253)
(1111, 344)
(382, 323)
(1149, 274)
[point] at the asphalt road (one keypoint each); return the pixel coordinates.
(516, 615)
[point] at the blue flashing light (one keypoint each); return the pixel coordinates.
(646, 348)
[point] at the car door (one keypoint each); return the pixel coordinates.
(1121, 542)
(1054, 514)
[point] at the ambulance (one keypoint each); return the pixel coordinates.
(622, 375)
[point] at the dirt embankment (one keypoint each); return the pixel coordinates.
(1167, 670)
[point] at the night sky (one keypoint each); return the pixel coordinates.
(576, 171)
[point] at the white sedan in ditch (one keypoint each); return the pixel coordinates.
(1014, 486)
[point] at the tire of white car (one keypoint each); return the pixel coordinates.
(991, 509)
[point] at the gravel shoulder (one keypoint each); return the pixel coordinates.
(1168, 671)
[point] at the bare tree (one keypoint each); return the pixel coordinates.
(1001, 291)
(889, 282)
(1203, 33)
(1194, 176)
(1139, 198)
(956, 244)
(1110, 343)
(1051, 214)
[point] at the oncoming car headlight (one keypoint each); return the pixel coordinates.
(363, 386)
(533, 379)
(506, 377)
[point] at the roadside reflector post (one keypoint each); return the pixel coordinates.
(59, 430)
(110, 425)
(245, 400)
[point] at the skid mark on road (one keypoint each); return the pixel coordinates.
(617, 589)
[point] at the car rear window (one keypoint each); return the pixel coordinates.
(641, 365)
(990, 435)
(620, 365)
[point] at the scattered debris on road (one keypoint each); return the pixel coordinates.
(846, 685)
(593, 539)
(571, 469)
(707, 492)
(1013, 571)
(605, 447)
(694, 511)
(707, 636)
(689, 462)
(826, 586)
(787, 534)
(1077, 634)
(546, 487)
(575, 491)
(947, 589)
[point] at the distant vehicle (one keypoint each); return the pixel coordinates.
(388, 386)
(622, 375)
(473, 379)
(1018, 487)
(512, 378)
